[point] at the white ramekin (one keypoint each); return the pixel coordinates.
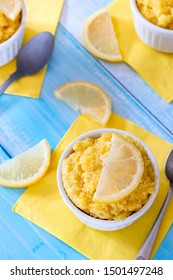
(10, 48)
(154, 36)
(96, 223)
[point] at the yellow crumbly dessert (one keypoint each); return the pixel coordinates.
(81, 172)
(8, 27)
(157, 11)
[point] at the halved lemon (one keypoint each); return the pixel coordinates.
(100, 38)
(121, 173)
(11, 8)
(26, 168)
(87, 98)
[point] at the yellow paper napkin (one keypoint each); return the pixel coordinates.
(42, 203)
(41, 16)
(154, 67)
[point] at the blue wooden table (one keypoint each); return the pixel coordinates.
(24, 122)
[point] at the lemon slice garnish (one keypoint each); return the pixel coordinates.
(26, 168)
(121, 173)
(11, 8)
(87, 98)
(100, 38)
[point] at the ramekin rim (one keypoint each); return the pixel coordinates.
(96, 221)
(147, 22)
(22, 24)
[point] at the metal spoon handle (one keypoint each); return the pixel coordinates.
(145, 251)
(10, 80)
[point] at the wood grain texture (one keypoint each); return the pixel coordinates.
(24, 122)
(165, 252)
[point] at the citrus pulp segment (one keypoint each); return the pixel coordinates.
(100, 38)
(121, 173)
(26, 168)
(87, 98)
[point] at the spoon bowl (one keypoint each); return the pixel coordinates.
(169, 168)
(35, 54)
(32, 57)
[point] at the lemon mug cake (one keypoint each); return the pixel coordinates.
(110, 177)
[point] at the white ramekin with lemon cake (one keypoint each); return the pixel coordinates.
(12, 25)
(153, 22)
(108, 178)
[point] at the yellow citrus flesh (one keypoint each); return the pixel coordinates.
(26, 168)
(121, 173)
(86, 98)
(100, 38)
(11, 8)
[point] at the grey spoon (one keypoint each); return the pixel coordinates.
(32, 57)
(145, 251)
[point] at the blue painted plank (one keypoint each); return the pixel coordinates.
(3, 155)
(165, 251)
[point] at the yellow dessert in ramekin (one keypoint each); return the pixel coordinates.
(79, 171)
(11, 35)
(153, 23)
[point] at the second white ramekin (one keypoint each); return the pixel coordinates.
(10, 48)
(154, 36)
(106, 225)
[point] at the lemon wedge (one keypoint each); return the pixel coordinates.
(100, 38)
(11, 8)
(86, 98)
(121, 173)
(26, 168)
